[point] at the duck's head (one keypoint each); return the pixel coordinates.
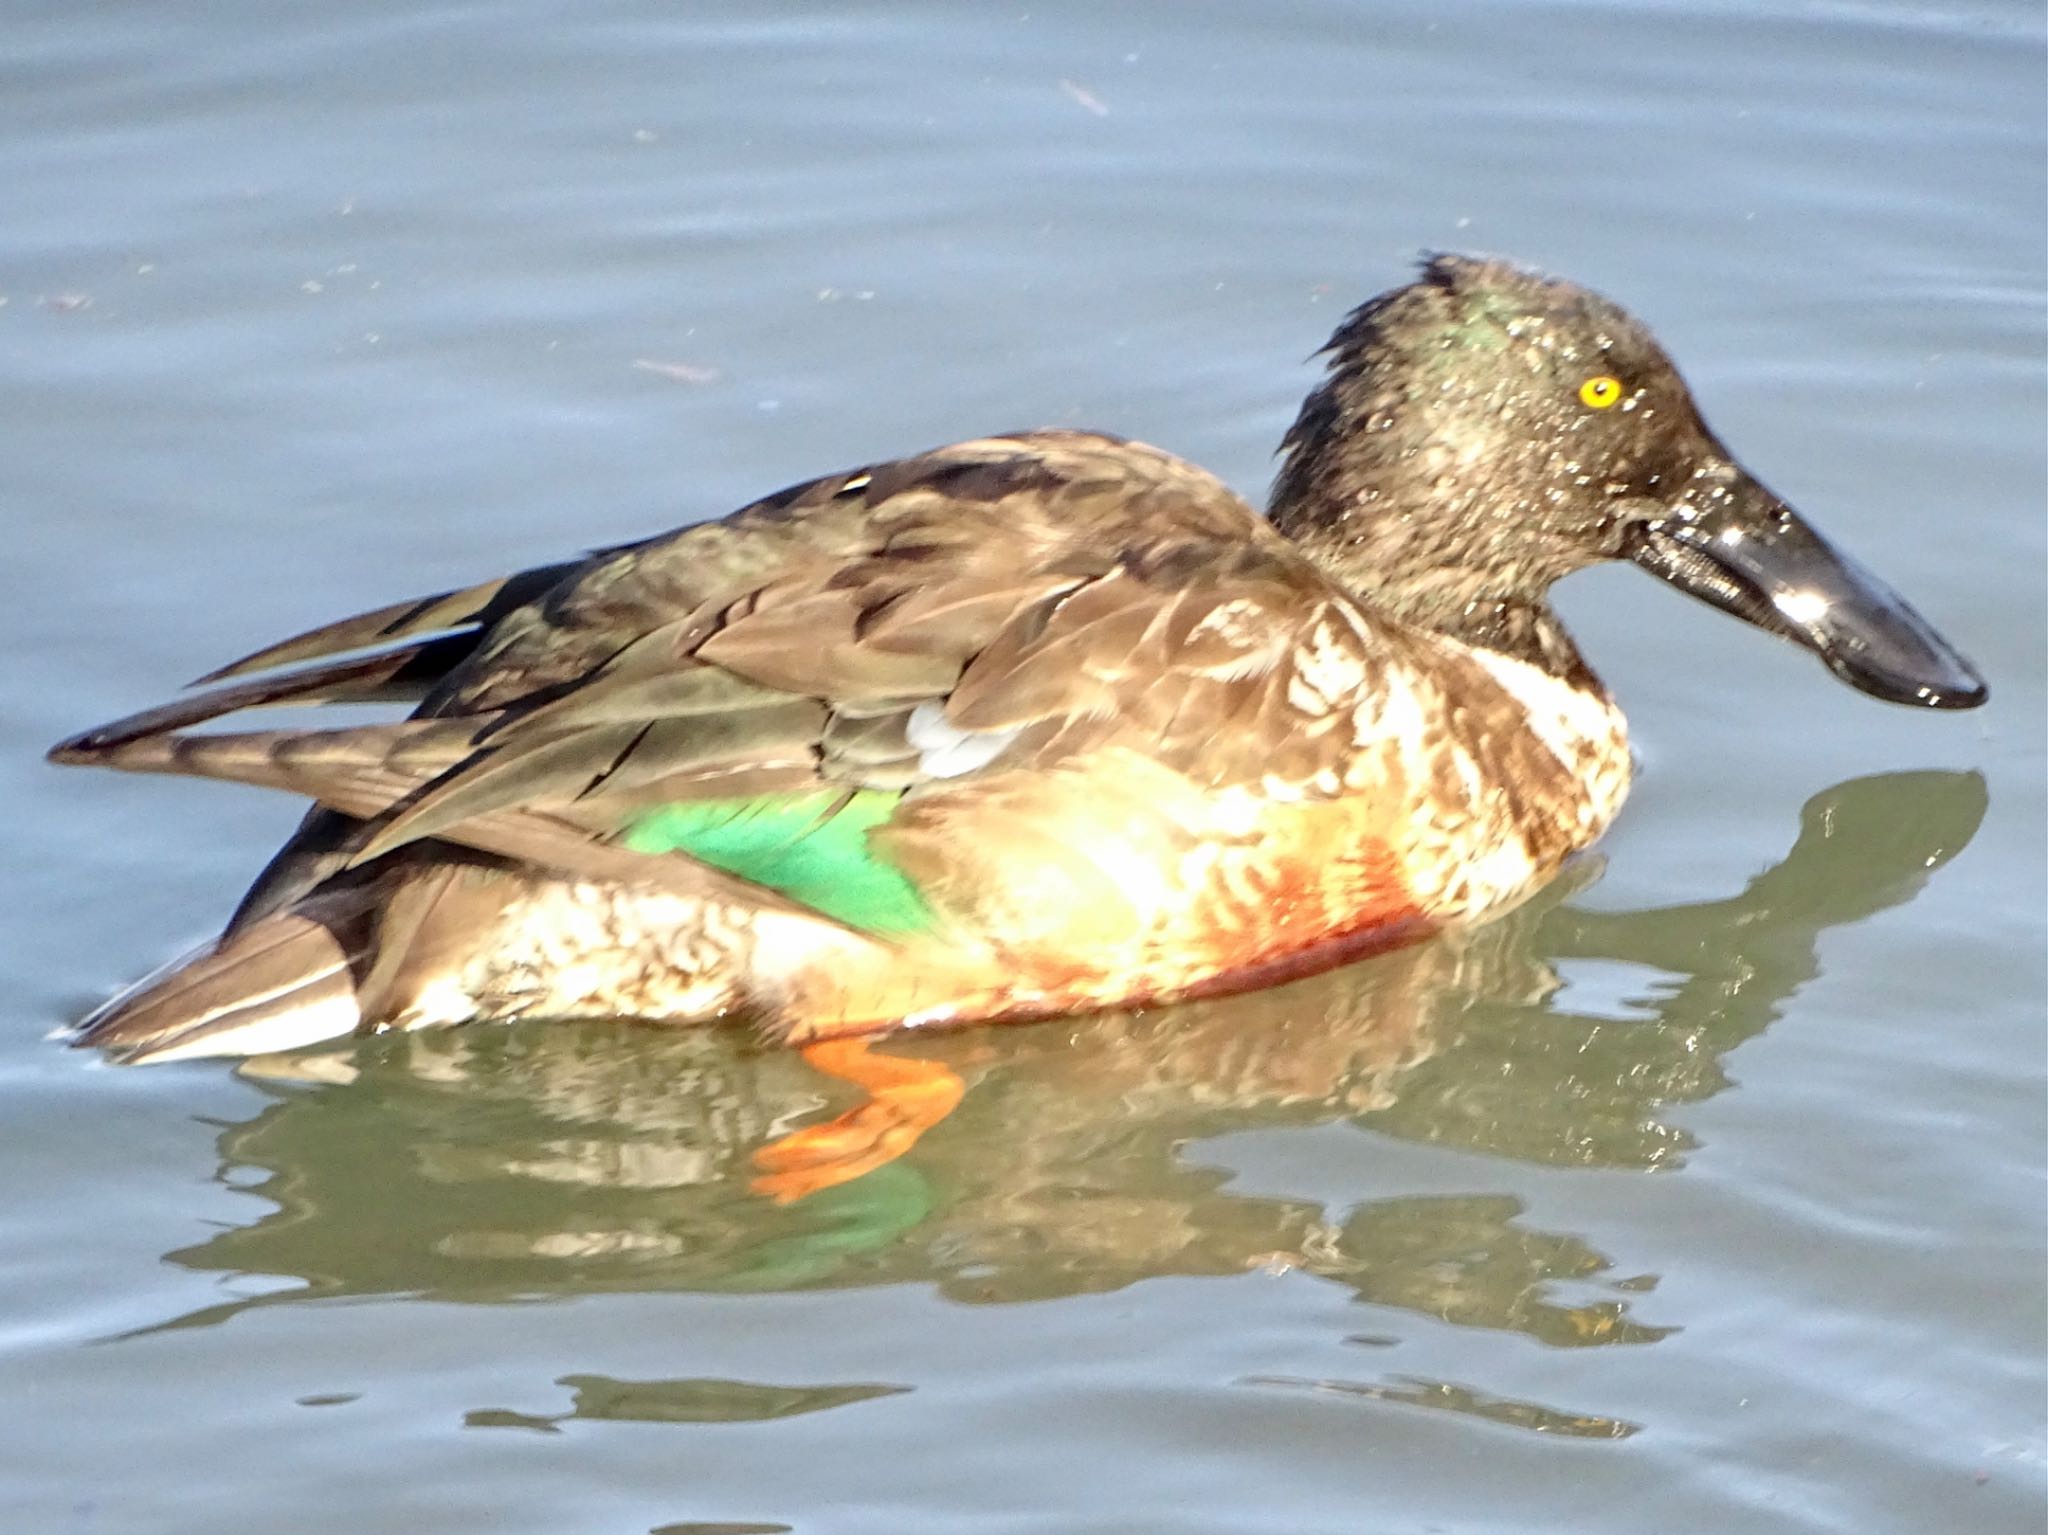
(1486, 430)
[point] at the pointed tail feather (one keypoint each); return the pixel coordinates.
(473, 609)
(284, 982)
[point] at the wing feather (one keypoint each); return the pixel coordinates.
(1070, 593)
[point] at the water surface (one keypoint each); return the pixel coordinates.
(1702, 1194)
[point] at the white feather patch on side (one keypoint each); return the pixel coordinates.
(947, 751)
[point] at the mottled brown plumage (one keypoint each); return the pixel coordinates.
(1115, 738)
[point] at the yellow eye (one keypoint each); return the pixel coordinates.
(1602, 392)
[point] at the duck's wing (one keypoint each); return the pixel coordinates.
(773, 685)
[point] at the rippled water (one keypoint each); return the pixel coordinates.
(1706, 1197)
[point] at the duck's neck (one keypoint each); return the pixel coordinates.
(1336, 498)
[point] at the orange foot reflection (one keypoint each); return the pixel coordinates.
(905, 1099)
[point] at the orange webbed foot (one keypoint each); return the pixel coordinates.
(905, 1098)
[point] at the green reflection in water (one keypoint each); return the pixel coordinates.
(504, 1164)
(600, 1399)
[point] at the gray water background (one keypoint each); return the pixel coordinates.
(1706, 1197)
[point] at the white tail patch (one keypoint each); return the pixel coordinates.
(283, 984)
(283, 1028)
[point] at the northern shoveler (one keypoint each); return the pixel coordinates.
(1024, 726)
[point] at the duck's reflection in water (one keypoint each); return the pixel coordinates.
(494, 1163)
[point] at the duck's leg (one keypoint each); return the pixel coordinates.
(906, 1097)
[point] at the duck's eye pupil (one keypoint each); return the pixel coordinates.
(1602, 392)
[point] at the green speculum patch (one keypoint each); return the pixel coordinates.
(799, 845)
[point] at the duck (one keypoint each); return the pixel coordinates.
(1029, 726)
